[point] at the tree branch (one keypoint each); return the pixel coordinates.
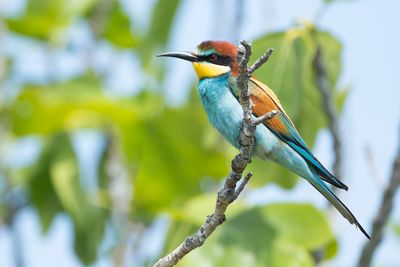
(330, 109)
(382, 215)
(230, 190)
(328, 104)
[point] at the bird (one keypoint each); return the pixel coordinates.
(276, 139)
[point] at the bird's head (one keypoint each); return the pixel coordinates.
(210, 59)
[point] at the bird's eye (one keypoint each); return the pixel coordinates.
(213, 57)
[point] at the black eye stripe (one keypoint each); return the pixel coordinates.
(216, 59)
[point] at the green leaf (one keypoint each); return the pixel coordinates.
(64, 175)
(43, 19)
(274, 235)
(219, 256)
(289, 72)
(109, 21)
(288, 254)
(331, 249)
(42, 194)
(302, 224)
(270, 172)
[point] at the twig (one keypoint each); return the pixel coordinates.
(259, 62)
(230, 190)
(242, 185)
(382, 215)
(265, 117)
(330, 110)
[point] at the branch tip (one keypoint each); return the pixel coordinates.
(267, 116)
(261, 61)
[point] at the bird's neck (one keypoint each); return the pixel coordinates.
(212, 88)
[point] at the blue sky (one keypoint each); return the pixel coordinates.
(368, 30)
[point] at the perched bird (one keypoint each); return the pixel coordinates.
(277, 139)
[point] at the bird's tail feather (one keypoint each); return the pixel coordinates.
(336, 202)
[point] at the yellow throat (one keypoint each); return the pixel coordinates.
(208, 70)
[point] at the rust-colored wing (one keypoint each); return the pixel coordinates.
(264, 100)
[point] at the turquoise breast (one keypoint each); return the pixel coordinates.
(226, 115)
(224, 112)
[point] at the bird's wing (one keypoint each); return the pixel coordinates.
(264, 100)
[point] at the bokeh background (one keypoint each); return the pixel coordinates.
(107, 158)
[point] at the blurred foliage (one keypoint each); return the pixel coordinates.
(109, 21)
(89, 220)
(169, 153)
(47, 18)
(274, 235)
(150, 134)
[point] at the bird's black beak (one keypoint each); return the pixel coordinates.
(189, 56)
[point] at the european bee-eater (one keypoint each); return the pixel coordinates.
(277, 139)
